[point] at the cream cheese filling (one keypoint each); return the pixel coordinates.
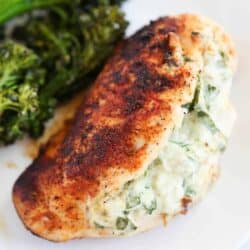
(183, 167)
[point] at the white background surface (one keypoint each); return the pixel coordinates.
(222, 220)
(246, 246)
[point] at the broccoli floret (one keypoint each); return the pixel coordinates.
(20, 79)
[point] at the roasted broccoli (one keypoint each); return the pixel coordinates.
(72, 43)
(51, 56)
(21, 77)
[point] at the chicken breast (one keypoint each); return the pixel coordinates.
(144, 144)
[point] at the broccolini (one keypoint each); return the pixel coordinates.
(61, 51)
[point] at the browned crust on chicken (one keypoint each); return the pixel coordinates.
(118, 130)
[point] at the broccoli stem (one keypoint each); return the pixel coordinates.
(13, 8)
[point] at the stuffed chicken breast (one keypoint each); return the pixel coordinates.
(144, 144)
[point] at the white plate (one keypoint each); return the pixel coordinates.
(222, 220)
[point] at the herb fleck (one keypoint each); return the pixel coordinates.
(152, 207)
(126, 212)
(133, 201)
(181, 144)
(224, 57)
(187, 105)
(195, 33)
(189, 192)
(211, 88)
(209, 123)
(133, 226)
(121, 223)
(187, 59)
(97, 225)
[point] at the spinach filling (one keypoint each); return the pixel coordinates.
(174, 174)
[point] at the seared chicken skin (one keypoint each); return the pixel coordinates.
(119, 168)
